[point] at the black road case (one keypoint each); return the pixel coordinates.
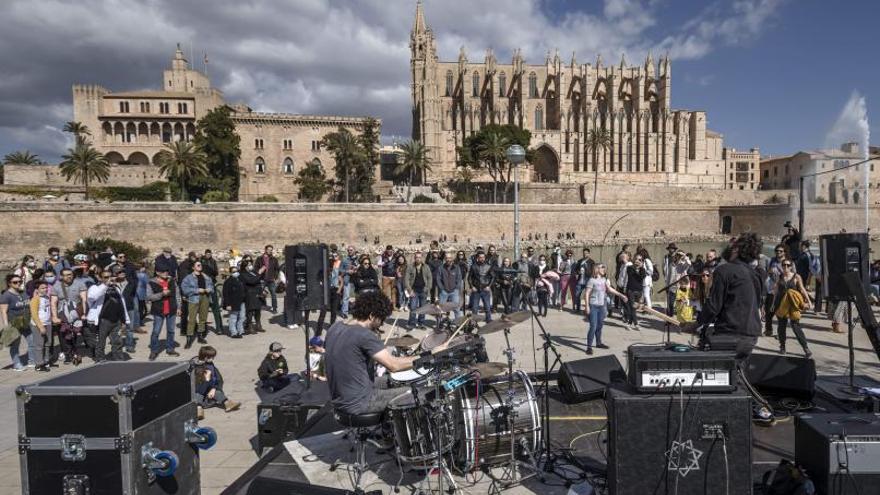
(116, 428)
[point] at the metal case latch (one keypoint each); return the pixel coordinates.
(76, 484)
(73, 447)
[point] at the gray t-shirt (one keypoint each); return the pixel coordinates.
(598, 288)
(69, 298)
(348, 362)
(16, 304)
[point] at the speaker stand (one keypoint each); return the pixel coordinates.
(850, 388)
(305, 314)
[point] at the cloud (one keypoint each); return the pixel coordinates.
(310, 56)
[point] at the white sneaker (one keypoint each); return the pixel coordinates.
(293, 327)
(61, 356)
(31, 365)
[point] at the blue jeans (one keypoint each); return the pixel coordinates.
(346, 293)
(169, 322)
(270, 286)
(476, 297)
(597, 321)
(450, 297)
(578, 292)
(135, 323)
(28, 336)
(236, 321)
(416, 299)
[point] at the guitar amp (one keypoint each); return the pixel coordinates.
(668, 369)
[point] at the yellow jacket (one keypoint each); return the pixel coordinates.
(790, 305)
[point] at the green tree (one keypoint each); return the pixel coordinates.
(481, 151)
(415, 160)
(349, 157)
(365, 172)
(312, 181)
(597, 139)
(22, 158)
(79, 131)
(85, 164)
(216, 137)
(183, 162)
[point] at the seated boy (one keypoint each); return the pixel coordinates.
(273, 370)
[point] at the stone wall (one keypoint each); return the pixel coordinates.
(49, 175)
(818, 219)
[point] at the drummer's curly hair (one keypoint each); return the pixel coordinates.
(371, 304)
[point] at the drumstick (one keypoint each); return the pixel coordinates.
(662, 316)
(393, 330)
(460, 327)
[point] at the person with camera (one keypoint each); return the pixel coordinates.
(196, 288)
(107, 313)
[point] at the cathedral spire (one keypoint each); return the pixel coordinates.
(598, 61)
(622, 61)
(419, 25)
(574, 61)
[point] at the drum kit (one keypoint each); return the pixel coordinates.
(462, 412)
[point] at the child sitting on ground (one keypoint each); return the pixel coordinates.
(209, 382)
(316, 358)
(273, 370)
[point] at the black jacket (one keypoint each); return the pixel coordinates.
(234, 293)
(168, 264)
(184, 269)
(271, 272)
(209, 266)
(734, 300)
(481, 276)
(635, 278)
(269, 365)
(253, 288)
(365, 279)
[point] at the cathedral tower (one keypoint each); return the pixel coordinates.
(425, 96)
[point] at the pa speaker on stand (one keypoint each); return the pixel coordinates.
(305, 266)
(843, 253)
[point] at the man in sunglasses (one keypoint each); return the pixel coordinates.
(774, 271)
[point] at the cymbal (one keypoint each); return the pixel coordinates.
(495, 326)
(403, 341)
(490, 369)
(461, 320)
(434, 339)
(436, 309)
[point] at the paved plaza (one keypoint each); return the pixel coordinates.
(238, 361)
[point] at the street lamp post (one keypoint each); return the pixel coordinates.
(516, 154)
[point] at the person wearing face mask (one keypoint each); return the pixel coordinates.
(164, 303)
(55, 263)
(26, 269)
(166, 262)
(253, 287)
(234, 295)
(196, 288)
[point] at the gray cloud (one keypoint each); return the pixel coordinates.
(302, 56)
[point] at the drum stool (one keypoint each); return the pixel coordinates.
(358, 428)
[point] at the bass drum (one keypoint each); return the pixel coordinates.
(483, 430)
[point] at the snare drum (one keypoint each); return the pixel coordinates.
(483, 428)
(407, 377)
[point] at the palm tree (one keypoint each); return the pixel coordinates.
(78, 129)
(415, 160)
(22, 158)
(493, 151)
(597, 139)
(84, 164)
(347, 152)
(182, 161)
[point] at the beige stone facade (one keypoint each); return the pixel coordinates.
(835, 182)
(560, 103)
(131, 128)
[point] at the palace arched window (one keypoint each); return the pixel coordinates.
(533, 85)
(287, 166)
(260, 165)
(502, 84)
(449, 83)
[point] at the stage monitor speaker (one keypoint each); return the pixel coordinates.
(842, 253)
(840, 452)
(305, 266)
(586, 379)
(786, 376)
(264, 485)
(674, 443)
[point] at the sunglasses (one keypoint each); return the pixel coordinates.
(15, 282)
(780, 251)
(786, 264)
(705, 275)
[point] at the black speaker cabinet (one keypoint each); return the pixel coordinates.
(586, 379)
(786, 376)
(656, 442)
(840, 452)
(843, 253)
(275, 422)
(93, 431)
(305, 266)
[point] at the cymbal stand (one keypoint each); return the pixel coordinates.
(437, 415)
(547, 454)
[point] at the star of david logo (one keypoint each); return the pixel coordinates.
(683, 457)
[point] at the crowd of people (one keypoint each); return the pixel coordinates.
(69, 308)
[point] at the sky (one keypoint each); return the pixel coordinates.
(772, 74)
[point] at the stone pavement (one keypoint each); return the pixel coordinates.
(238, 361)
